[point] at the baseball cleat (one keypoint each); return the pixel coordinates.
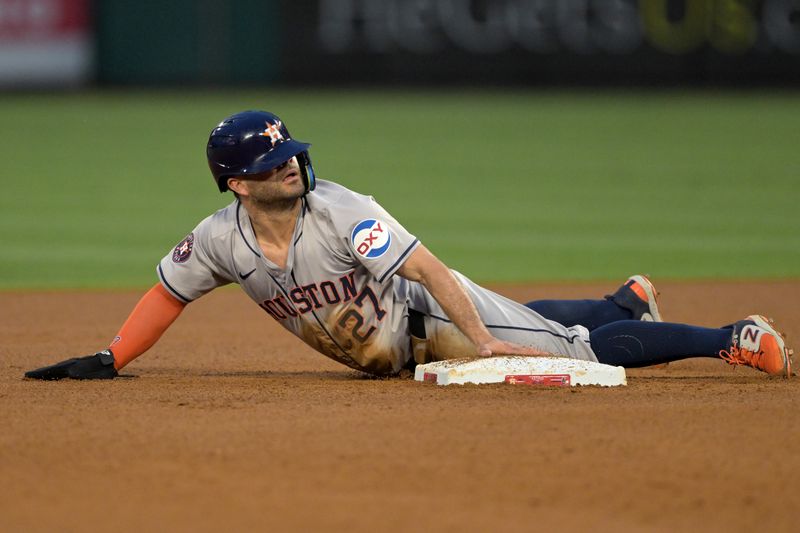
(756, 343)
(639, 296)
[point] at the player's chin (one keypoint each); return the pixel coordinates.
(289, 192)
(294, 183)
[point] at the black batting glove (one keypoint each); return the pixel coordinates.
(97, 366)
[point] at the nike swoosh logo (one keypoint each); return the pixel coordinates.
(245, 276)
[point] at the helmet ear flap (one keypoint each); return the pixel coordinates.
(307, 171)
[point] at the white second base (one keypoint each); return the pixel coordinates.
(553, 371)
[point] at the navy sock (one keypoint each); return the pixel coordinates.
(631, 343)
(590, 314)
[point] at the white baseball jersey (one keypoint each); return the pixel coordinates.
(339, 292)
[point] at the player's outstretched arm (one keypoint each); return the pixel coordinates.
(147, 322)
(424, 267)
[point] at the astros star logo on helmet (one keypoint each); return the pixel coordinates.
(273, 131)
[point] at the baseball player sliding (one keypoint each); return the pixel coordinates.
(339, 272)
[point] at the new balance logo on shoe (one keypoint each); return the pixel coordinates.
(750, 334)
(755, 343)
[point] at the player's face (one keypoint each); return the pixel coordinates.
(282, 183)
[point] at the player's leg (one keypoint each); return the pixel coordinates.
(634, 300)
(630, 343)
(752, 342)
(504, 318)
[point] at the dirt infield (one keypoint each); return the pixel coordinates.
(229, 423)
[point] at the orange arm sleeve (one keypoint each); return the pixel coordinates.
(147, 322)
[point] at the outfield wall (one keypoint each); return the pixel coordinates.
(45, 42)
(400, 42)
(544, 41)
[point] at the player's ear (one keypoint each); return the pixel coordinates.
(237, 186)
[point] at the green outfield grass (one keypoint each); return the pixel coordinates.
(503, 186)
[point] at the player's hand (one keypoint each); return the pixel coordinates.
(498, 347)
(97, 366)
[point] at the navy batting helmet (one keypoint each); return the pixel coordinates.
(252, 142)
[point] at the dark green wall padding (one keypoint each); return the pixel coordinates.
(186, 41)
